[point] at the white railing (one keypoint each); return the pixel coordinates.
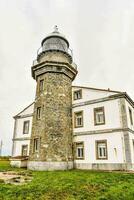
(74, 65)
(35, 62)
(40, 50)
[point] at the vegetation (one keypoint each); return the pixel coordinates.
(4, 157)
(4, 165)
(70, 185)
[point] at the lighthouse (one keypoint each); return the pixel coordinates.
(51, 145)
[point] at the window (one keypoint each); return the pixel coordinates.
(101, 149)
(38, 112)
(26, 127)
(24, 150)
(80, 150)
(41, 85)
(115, 152)
(36, 144)
(77, 94)
(133, 147)
(78, 119)
(99, 116)
(130, 116)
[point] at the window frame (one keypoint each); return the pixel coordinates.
(27, 121)
(97, 142)
(75, 116)
(130, 116)
(133, 145)
(79, 145)
(80, 90)
(22, 146)
(41, 86)
(37, 114)
(95, 119)
(35, 150)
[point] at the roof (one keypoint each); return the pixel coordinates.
(98, 89)
(23, 110)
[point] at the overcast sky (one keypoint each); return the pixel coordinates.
(100, 32)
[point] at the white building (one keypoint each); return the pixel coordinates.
(103, 130)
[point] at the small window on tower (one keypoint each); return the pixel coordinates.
(41, 86)
(38, 113)
(99, 116)
(26, 127)
(78, 119)
(77, 94)
(36, 145)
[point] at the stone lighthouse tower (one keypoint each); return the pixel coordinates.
(51, 140)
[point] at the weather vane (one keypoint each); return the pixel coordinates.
(55, 28)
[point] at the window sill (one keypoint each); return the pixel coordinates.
(79, 158)
(77, 99)
(79, 126)
(99, 124)
(101, 158)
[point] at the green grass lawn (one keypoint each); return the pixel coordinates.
(70, 185)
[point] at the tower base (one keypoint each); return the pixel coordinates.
(49, 166)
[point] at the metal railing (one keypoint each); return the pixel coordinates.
(41, 50)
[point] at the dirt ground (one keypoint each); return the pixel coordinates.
(14, 177)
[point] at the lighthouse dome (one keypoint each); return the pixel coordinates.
(55, 41)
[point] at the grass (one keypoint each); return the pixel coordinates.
(4, 165)
(70, 185)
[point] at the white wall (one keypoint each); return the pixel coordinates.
(18, 147)
(90, 94)
(114, 140)
(112, 116)
(131, 138)
(23, 116)
(19, 127)
(128, 117)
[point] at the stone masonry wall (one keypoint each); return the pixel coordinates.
(55, 126)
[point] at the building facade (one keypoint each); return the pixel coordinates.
(103, 130)
(72, 126)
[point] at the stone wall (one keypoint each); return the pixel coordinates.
(55, 126)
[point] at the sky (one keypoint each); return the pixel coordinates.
(100, 32)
